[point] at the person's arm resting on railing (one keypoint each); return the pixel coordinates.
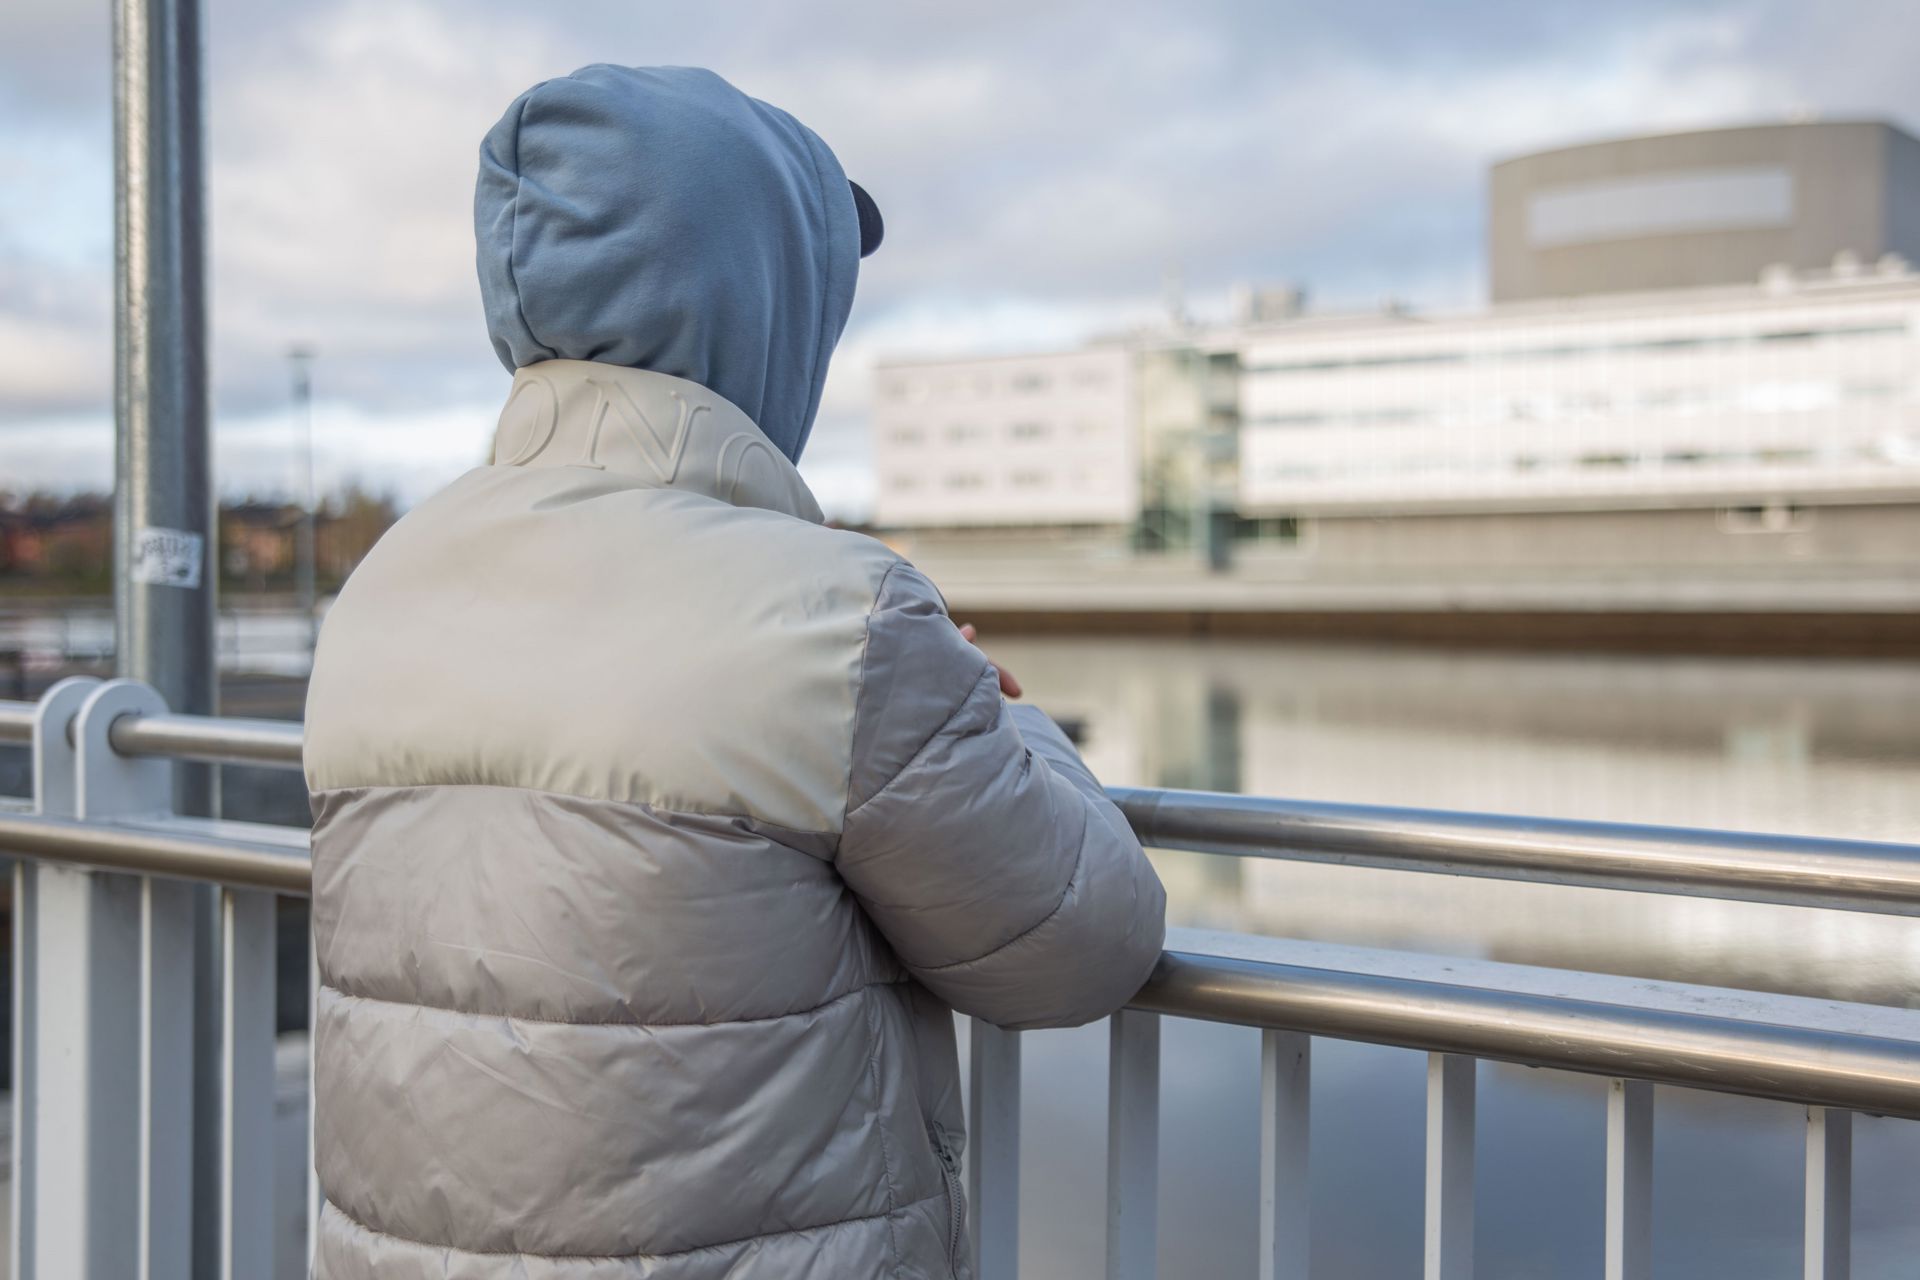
(977, 840)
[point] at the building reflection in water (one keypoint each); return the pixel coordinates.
(1793, 746)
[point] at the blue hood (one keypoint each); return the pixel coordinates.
(659, 218)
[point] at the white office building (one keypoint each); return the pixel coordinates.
(1691, 432)
(1022, 441)
(1801, 390)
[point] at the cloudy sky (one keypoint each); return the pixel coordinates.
(1043, 166)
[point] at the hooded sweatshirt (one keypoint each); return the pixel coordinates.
(659, 218)
(659, 830)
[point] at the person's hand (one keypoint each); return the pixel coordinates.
(1008, 685)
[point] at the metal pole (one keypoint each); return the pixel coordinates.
(164, 543)
(303, 552)
(163, 494)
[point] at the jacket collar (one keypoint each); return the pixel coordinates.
(664, 431)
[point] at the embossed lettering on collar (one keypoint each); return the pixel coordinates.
(661, 430)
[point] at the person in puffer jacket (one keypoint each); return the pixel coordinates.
(659, 829)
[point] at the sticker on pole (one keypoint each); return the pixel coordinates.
(167, 558)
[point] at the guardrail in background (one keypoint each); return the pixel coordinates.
(102, 797)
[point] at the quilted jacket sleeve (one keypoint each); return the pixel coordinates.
(978, 841)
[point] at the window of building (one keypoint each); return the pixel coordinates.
(963, 480)
(1565, 351)
(907, 435)
(1774, 518)
(1029, 479)
(1873, 390)
(1029, 381)
(1388, 416)
(1029, 431)
(1681, 200)
(1267, 530)
(964, 433)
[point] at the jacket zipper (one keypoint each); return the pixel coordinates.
(956, 1212)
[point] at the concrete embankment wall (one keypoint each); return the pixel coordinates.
(1842, 580)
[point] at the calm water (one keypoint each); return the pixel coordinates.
(1816, 747)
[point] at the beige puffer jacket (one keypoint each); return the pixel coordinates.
(658, 829)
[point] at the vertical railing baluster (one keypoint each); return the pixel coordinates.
(993, 1150)
(25, 992)
(166, 1077)
(1133, 1145)
(1829, 1226)
(1449, 1212)
(1629, 1228)
(246, 1119)
(1286, 1077)
(313, 1033)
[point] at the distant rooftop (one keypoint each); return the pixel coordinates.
(1708, 207)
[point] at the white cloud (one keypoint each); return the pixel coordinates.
(343, 194)
(408, 452)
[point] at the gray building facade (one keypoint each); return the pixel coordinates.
(1714, 207)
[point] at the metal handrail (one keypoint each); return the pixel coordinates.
(1808, 1065)
(237, 863)
(1802, 871)
(1812, 1066)
(215, 739)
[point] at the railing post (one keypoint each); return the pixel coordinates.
(56, 794)
(1286, 1077)
(160, 984)
(1629, 1226)
(1829, 1219)
(993, 1149)
(1133, 1146)
(1450, 1120)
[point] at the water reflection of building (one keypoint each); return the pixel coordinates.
(1808, 746)
(1702, 361)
